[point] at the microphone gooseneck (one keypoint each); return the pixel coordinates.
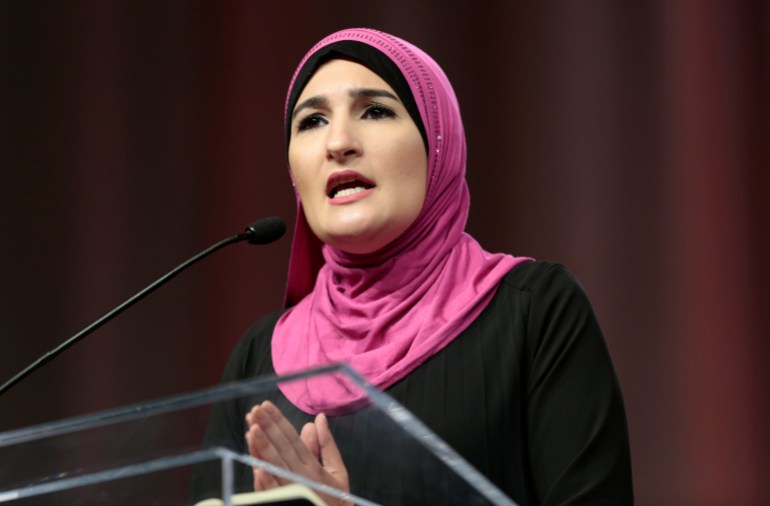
(263, 231)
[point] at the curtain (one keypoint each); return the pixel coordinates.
(626, 140)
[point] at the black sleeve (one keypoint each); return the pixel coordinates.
(227, 424)
(577, 430)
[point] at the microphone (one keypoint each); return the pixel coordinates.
(263, 231)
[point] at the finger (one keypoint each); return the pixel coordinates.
(264, 480)
(256, 442)
(330, 454)
(283, 436)
(250, 416)
(309, 437)
(260, 447)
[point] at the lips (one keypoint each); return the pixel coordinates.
(346, 183)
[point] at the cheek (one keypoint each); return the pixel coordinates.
(302, 190)
(413, 172)
(299, 175)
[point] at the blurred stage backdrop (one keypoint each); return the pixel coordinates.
(627, 140)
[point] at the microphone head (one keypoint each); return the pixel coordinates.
(266, 230)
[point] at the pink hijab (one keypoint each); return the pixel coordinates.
(386, 313)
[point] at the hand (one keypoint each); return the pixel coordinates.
(312, 454)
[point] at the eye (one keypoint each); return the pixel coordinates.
(310, 122)
(378, 111)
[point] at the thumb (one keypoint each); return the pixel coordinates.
(330, 454)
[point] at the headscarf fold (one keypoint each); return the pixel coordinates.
(387, 312)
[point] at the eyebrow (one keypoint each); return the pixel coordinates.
(354, 93)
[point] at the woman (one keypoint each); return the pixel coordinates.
(501, 356)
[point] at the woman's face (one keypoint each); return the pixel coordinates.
(357, 158)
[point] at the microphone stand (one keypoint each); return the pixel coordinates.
(261, 232)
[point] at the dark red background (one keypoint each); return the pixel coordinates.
(628, 140)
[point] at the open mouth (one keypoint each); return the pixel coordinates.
(347, 184)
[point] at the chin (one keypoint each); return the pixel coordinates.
(358, 242)
(362, 233)
(354, 246)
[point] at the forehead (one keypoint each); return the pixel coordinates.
(340, 76)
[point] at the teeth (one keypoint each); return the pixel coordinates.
(349, 191)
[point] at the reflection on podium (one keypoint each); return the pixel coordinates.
(158, 453)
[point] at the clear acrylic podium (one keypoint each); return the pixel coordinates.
(146, 454)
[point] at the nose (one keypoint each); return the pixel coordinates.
(342, 141)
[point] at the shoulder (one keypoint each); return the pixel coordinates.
(556, 311)
(261, 328)
(539, 285)
(538, 276)
(251, 355)
(532, 288)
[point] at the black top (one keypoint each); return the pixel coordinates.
(527, 394)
